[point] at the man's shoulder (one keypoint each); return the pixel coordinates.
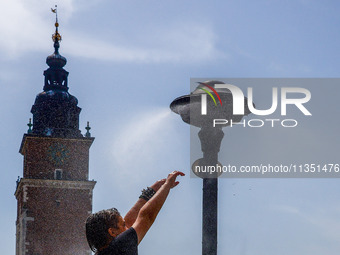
(130, 234)
(124, 244)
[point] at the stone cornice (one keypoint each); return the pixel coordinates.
(58, 184)
(88, 140)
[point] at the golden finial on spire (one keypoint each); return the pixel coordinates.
(56, 37)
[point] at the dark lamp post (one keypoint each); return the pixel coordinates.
(189, 107)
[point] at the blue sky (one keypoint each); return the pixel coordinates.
(127, 61)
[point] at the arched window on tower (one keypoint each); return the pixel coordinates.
(58, 174)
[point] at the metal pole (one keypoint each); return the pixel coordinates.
(209, 218)
(210, 142)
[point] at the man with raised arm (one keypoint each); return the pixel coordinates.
(109, 234)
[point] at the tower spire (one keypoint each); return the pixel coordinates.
(56, 76)
(56, 37)
(55, 111)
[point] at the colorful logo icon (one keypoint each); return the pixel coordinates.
(209, 93)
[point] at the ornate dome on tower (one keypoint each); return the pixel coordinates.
(55, 111)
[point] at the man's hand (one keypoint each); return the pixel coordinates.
(171, 180)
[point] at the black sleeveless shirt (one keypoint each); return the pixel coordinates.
(124, 244)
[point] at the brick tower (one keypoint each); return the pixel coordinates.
(54, 196)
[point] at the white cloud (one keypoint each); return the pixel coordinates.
(185, 43)
(26, 25)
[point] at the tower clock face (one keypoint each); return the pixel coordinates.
(58, 154)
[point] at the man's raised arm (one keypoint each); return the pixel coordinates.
(132, 214)
(149, 211)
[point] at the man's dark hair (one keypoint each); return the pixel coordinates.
(97, 226)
